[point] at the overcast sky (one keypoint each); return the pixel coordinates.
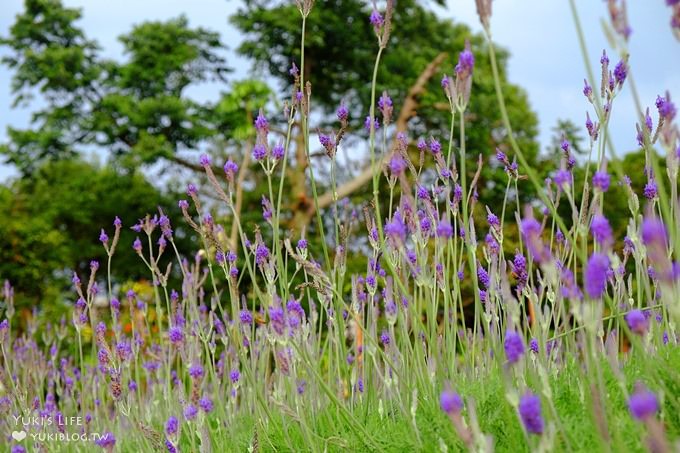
(545, 57)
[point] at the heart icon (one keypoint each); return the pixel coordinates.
(19, 435)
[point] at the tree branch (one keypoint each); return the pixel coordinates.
(408, 111)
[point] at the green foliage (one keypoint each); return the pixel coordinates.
(393, 430)
(337, 62)
(137, 108)
(52, 222)
(236, 109)
(566, 129)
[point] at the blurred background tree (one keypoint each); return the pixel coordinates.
(339, 54)
(138, 112)
(52, 221)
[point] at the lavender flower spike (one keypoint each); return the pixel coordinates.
(530, 413)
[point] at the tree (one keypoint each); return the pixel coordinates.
(137, 108)
(51, 225)
(340, 48)
(139, 111)
(566, 129)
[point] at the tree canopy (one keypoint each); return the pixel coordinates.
(137, 108)
(340, 44)
(51, 224)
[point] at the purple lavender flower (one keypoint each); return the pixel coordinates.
(601, 230)
(643, 404)
(569, 288)
(302, 244)
(196, 371)
(100, 330)
(234, 375)
(277, 320)
(422, 193)
(385, 338)
(376, 19)
(450, 402)
(422, 145)
(591, 128)
(219, 257)
(519, 266)
(278, 151)
(137, 245)
(176, 335)
(637, 322)
(457, 193)
(531, 232)
(562, 178)
(466, 62)
(601, 180)
(259, 152)
(493, 220)
(445, 82)
(665, 107)
(595, 275)
(261, 254)
(106, 441)
(620, 72)
(103, 237)
(294, 71)
(367, 124)
(650, 191)
(425, 225)
(514, 346)
(172, 426)
(266, 209)
(501, 156)
(530, 413)
(533, 345)
(444, 229)
(205, 404)
(397, 165)
(230, 168)
(396, 229)
(483, 275)
(204, 160)
(246, 317)
(123, 350)
(183, 204)
(385, 102)
(587, 89)
(654, 233)
(261, 123)
(492, 244)
(342, 112)
(435, 146)
(4, 328)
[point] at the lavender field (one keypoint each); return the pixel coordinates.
(470, 298)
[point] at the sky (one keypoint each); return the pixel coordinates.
(540, 35)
